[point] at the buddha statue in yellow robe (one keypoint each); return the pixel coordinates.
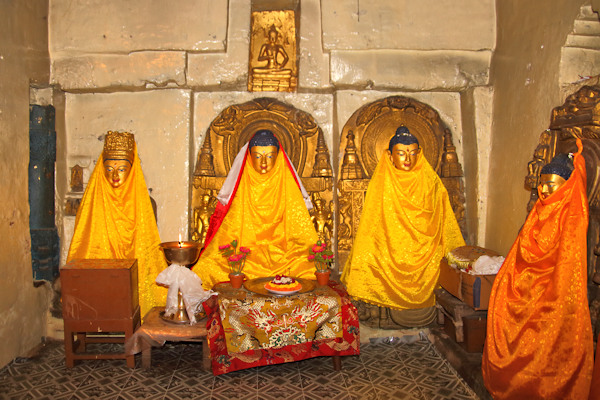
(115, 219)
(406, 227)
(263, 206)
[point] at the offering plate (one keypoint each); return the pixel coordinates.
(257, 285)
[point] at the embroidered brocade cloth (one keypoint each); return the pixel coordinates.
(247, 329)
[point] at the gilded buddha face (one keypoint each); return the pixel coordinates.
(405, 156)
(263, 158)
(116, 171)
(550, 183)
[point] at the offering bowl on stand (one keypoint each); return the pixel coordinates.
(186, 254)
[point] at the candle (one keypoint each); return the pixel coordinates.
(180, 240)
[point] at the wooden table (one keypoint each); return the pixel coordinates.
(155, 332)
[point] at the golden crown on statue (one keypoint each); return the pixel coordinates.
(119, 146)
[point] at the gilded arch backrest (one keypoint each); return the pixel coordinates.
(298, 134)
(364, 138)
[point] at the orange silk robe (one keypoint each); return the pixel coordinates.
(539, 336)
(267, 214)
(406, 227)
(119, 223)
(595, 391)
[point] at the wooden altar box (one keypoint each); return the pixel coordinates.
(99, 289)
(99, 296)
(474, 290)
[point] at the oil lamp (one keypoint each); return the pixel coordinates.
(186, 254)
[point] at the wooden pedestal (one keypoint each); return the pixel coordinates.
(99, 296)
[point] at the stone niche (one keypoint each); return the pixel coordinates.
(364, 138)
(298, 133)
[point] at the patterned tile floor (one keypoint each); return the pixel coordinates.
(386, 369)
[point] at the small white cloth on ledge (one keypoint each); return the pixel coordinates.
(179, 278)
(486, 265)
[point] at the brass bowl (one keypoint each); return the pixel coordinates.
(182, 253)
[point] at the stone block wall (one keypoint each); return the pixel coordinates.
(165, 70)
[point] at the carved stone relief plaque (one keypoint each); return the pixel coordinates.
(273, 61)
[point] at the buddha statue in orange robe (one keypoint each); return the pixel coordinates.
(115, 219)
(264, 207)
(539, 341)
(406, 227)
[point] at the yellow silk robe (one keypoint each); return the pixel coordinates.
(539, 341)
(406, 227)
(268, 215)
(119, 223)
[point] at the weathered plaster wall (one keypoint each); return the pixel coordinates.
(525, 77)
(143, 72)
(23, 59)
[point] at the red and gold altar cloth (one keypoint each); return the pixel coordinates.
(539, 341)
(247, 329)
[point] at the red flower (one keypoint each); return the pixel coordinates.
(225, 246)
(245, 250)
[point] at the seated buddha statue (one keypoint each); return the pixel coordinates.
(272, 52)
(406, 227)
(115, 219)
(263, 206)
(539, 342)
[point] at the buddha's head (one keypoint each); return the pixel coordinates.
(404, 149)
(273, 34)
(554, 174)
(117, 156)
(263, 149)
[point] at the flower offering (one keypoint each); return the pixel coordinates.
(321, 256)
(235, 258)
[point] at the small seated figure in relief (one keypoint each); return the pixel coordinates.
(539, 341)
(263, 206)
(76, 179)
(272, 52)
(115, 219)
(406, 227)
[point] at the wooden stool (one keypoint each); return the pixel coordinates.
(155, 331)
(99, 296)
